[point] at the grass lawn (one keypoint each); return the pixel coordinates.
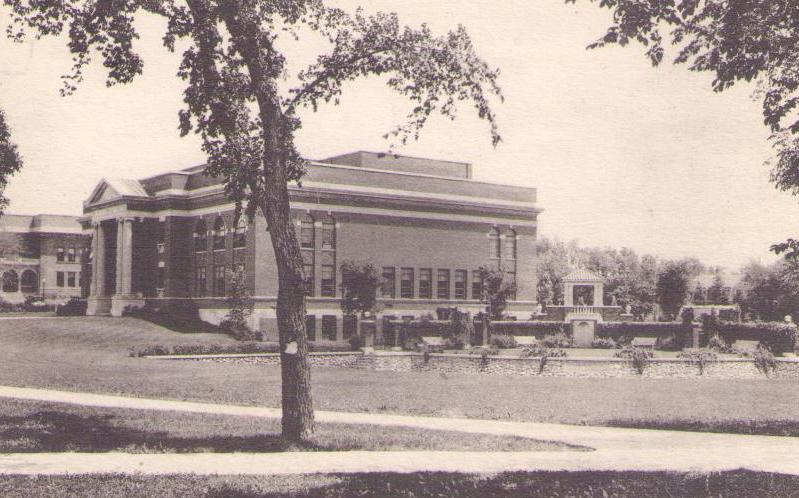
(736, 484)
(91, 354)
(29, 426)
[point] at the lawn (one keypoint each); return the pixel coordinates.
(735, 484)
(28, 426)
(91, 354)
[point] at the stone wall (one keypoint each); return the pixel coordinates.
(733, 368)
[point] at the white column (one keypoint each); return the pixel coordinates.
(98, 261)
(124, 256)
(599, 295)
(568, 294)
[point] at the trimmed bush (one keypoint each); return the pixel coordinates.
(699, 358)
(719, 345)
(604, 343)
(556, 341)
(638, 358)
(764, 361)
(617, 330)
(503, 341)
(252, 347)
(73, 307)
(529, 328)
(777, 336)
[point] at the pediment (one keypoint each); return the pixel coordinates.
(112, 189)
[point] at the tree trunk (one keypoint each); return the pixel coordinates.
(254, 46)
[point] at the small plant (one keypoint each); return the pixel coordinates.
(668, 343)
(73, 307)
(719, 345)
(454, 342)
(764, 360)
(483, 350)
(699, 358)
(503, 341)
(638, 358)
(537, 350)
(604, 343)
(556, 341)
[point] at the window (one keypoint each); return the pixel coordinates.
(329, 327)
(306, 232)
(328, 285)
(477, 284)
(493, 244)
(328, 234)
(442, 285)
(240, 235)
(406, 283)
(308, 272)
(460, 284)
(10, 281)
(71, 255)
(29, 281)
(160, 277)
(59, 279)
(389, 283)
(509, 251)
(200, 237)
(219, 234)
(161, 232)
(425, 283)
(219, 280)
(510, 277)
(310, 327)
(59, 254)
(71, 279)
(349, 326)
(200, 281)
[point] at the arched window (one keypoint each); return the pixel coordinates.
(306, 232)
(29, 282)
(240, 235)
(200, 237)
(10, 281)
(329, 234)
(219, 233)
(509, 251)
(493, 244)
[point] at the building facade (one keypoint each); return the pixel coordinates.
(426, 224)
(42, 256)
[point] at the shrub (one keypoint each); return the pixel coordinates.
(556, 341)
(454, 342)
(719, 345)
(537, 350)
(503, 341)
(35, 303)
(618, 330)
(6, 307)
(777, 336)
(638, 358)
(356, 342)
(764, 360)
(668, 343)
(604, 343)
(483, 350)
(698, 358)
(529, 328)
(73, 307)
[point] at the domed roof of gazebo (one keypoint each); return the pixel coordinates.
(582, 276)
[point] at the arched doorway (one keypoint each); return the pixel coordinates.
(29, 282)
(10, 281)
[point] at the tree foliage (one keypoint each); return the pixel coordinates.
(772, 292)
(495, 292)
(238, 100)
(735, 40)
(672, 284)
(240, 306)
(10, 160)
(359, 286)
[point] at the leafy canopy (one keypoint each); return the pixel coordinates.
(10, 161)
(359, 286)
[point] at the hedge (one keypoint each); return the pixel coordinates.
(538, 329)
(777, 336)
(615, 330)
(235, 348)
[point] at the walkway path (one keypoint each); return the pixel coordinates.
(616, 448)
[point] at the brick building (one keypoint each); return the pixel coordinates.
(427, 224)
(42, 256)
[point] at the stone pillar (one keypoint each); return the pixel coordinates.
(339, 328)
(124, 289)
(599, 295)
(98, 302)
(568, 294)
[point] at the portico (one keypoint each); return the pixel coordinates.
(112, 272)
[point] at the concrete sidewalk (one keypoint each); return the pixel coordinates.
(616, 448)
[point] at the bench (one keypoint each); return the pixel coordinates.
(644, 342)
(526, 340)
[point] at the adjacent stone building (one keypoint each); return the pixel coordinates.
(42, 256)
(426, 224)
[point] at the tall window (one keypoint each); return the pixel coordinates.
(219, 233)
(29, 281)
(308, 272)
(460, 284)
(306, 232)
(240, 235)
(71, 255)
(59, 280)
(328, 284)
(310, 327)
(59, 254)
(160, 278)
(510, 277)
(328, 234)
(425, 283)
(161, 232)
(477, 284)
(10, 281)
(493, 244)
(509, 251)
(442, 284)
(389, 283)
(329, 327)
(200, 281)
(71, 279)
(406, 283)
(219, 280)
(200, 237)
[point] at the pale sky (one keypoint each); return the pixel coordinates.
(622, 154)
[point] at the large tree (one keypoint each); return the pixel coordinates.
(735, 40)
(10, 161)
(238, 100)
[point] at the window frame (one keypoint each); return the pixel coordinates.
(426, 285)
(460, 292)
(406, 284)
(440, 294)
(388, 289)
